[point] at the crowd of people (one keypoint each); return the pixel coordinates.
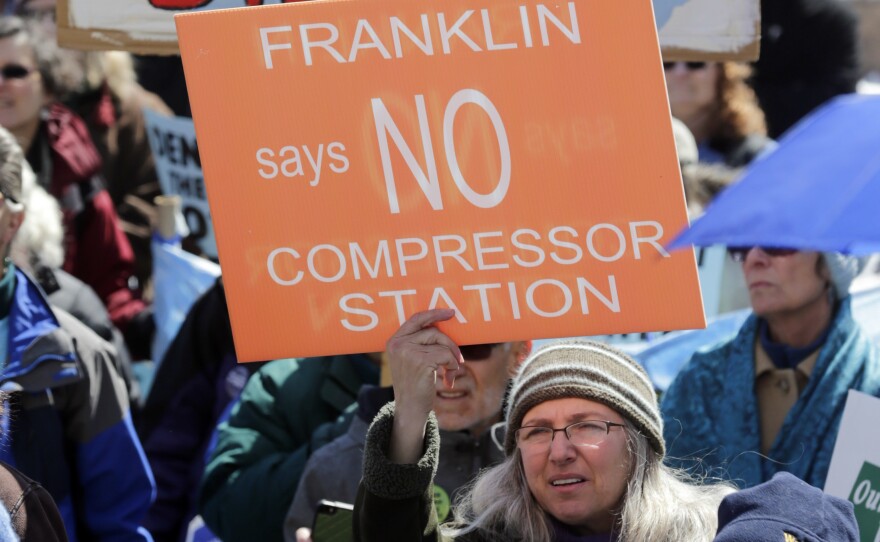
(561, 441)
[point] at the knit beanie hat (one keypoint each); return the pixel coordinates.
(843, 269)
(586, 370)
(785, 508)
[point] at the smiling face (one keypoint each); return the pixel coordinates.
(20, 99)
(785, 285)
(581, 486)
(474, 404)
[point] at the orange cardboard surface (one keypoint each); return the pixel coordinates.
(367, 160)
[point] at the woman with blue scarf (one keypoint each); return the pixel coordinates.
(771, 399)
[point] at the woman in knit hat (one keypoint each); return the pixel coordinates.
(583, 443)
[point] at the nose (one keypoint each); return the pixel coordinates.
(561, 449)
(755, 256)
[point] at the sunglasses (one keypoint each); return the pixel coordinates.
(691, 66)
(738, 254)
(14, 71)
(477, 352)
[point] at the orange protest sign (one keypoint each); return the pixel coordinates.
(367, 160)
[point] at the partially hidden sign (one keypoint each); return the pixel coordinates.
(367, 160)
(689, 29)
(854, 473)
(178, 165)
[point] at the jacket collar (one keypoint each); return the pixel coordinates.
(341, 387)
(40, 354)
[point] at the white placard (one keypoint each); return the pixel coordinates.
(176, 153)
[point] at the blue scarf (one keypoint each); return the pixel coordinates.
(784, 356)
(711, 412)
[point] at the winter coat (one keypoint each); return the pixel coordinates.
(193, 385)
(395, 502)
(333, 472)
(262, 448)
(735, 155)
(795, 72)
(69, 422)
(73, 296)
(711, 418)
(117, 127)
(32, 512)
(95, 248)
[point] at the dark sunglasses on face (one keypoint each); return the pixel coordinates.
(691, 66)
(738, 254)
(477, 352)
(14, 71)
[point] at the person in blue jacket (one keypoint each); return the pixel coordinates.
(771, 399)
(66, 423)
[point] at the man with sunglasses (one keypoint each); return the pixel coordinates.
(465, 414)
(771, 398)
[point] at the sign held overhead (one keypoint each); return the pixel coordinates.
(363, 162)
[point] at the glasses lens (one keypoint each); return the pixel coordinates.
(477, 352)
(691, 66)
(14, 71)
(738, 254)
(778, 251)
(587, 433)
(529, 437)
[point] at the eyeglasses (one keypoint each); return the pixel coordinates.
(477, 352)
(738, 254)
(691, 66)
(585, 433)
(14, 71)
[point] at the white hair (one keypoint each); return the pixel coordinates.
(40, 239)
(661, 504)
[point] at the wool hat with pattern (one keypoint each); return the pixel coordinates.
(585, 370)
(785, 509)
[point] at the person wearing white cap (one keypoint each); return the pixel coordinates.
(583, 444)
(771, 399)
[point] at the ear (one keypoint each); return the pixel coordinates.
(15, 220)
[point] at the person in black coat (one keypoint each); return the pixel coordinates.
(809, 54)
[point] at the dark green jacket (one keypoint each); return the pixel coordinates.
(395, 502)
(261, 450)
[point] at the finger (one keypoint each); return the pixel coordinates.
(449, 378)
(424, 319)
(433, 336)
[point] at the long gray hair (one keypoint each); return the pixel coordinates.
(660, 504)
